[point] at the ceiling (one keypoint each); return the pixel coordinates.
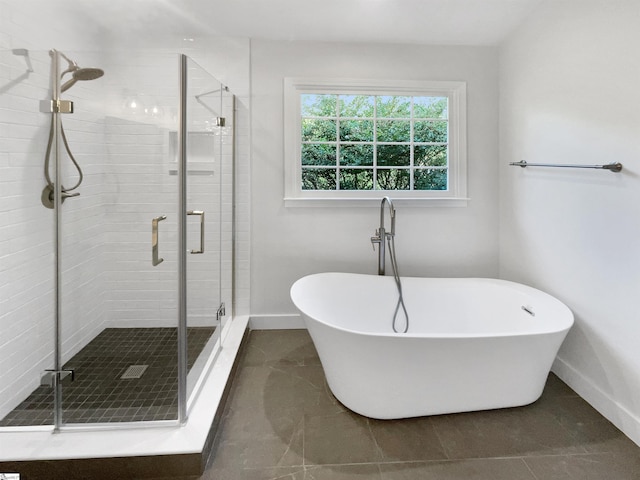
(438, 22)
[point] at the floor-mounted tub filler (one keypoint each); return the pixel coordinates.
(473, 343)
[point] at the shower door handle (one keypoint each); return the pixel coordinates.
(201, 214)
(155, 261)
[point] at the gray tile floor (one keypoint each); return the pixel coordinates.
(282, 422)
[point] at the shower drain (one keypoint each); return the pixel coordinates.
(134, 371)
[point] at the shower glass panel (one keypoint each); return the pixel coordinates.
(204, 128)
(119, 248)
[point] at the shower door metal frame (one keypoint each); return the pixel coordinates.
(56, 107)
(57, 203)
(182, 243)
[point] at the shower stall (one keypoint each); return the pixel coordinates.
(117, 214)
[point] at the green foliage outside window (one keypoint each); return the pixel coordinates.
(369, 142)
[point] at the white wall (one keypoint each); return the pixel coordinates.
(287, 243)
(569, 93)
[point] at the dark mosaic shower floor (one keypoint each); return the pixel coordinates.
(98, 394)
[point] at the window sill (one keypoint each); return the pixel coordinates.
(374, 202)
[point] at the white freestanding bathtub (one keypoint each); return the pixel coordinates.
(472, 343)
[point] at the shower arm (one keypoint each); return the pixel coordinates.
(72, 65)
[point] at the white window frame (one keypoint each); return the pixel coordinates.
(456, 92)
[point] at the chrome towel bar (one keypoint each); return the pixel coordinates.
(612, 167)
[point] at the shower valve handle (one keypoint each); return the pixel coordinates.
(375, 239)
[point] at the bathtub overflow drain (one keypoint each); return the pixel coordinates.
(529, 311)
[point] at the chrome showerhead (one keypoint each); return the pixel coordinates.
(81, 74)
(88, 73)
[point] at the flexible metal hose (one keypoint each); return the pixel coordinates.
(396, 277)
(48, 155)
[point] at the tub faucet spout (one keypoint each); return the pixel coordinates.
(382, 235)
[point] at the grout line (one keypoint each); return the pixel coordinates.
(375, 441)
(444, 448)
(529, 468)
(304, 441)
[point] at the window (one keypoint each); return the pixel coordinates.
(359, 140)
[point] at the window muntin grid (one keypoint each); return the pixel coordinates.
(374, 142)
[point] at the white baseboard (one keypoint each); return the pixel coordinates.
(276, 322)
(617, 414)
